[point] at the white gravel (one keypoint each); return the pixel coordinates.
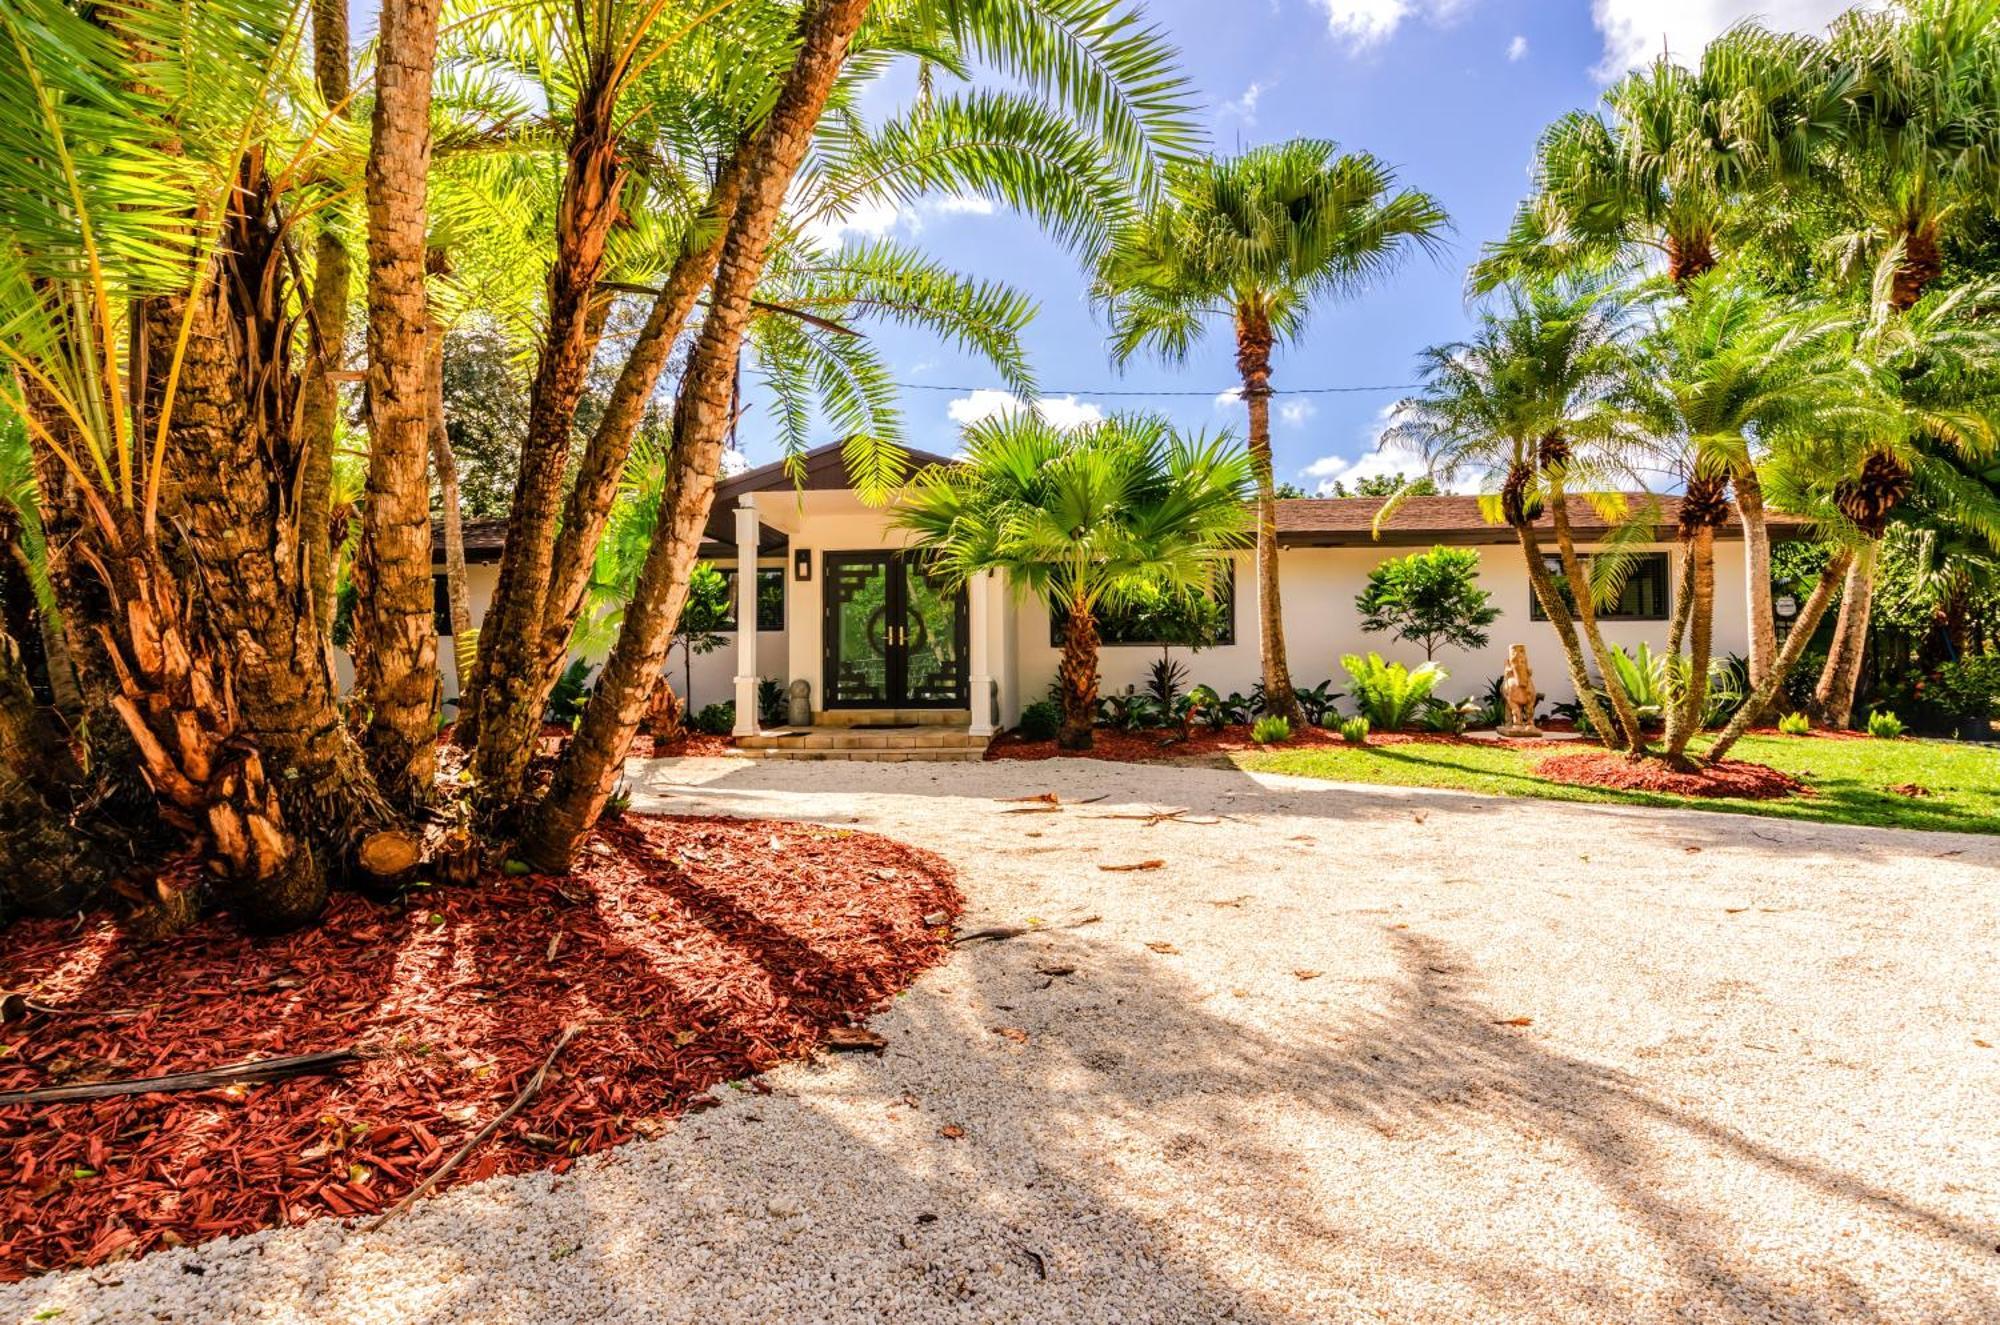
(1749, 1084)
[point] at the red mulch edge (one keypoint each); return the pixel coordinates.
(691, 744)
(1731, 777)
(1145, 747)
(693, 952)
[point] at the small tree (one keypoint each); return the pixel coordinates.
(1432, 598)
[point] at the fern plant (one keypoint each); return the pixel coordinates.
(1390, 695)
(1795, 724)
(1354, 731)
(1884, 725)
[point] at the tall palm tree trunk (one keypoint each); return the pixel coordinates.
(1628, 730)
(396, 614)
(596, 487)
(590, 765)
(1253, 361)
(319, 403)
(1833, 697)
(458, 601)
(1076, 678)
(508, 705)
(1756, 572)
(1788, 657)
(1685, 709)
(1559, 616)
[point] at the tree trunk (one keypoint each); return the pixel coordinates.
(1559, 616)
(590, 765)
(511, 696)
(1833, 697)
(1253, 361)
(319, 402)
(1756, 573)
(596, 486)
(666, 712)
(1076, 678)
(1922, 263)
(464, 639)
(1788, 657)
(1686, 708)
(1586, 615)
(396, 613)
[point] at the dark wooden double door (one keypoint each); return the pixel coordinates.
(893, 636)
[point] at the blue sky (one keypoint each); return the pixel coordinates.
(1453, 92)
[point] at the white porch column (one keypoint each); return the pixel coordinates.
(746, 619)
(979, 595)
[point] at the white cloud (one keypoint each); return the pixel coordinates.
(1517, 50)
(1634, 29)
(1295, 413)
(1367, 23)
(1244, 108)
(987, 402)
(1230, 398)
(733, 463)
(876, 217)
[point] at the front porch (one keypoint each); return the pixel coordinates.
(874, 735)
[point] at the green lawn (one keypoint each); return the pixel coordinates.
(1851, 779)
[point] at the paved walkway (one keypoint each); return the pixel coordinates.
(1345, 1055)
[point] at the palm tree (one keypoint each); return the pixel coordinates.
(1533, 403)
(1728, 372)
(1260, 239)
(1084, 520)
(1681, 170)
(1935, 363)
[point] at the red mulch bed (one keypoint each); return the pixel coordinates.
(1731, 777)
(693, 743)
(692, 951)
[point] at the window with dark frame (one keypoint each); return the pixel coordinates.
(1117, 630)
(1646, 596)
(770, 598)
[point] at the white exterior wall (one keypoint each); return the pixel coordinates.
(1319, 586)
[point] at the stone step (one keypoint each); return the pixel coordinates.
(876, 756)
(836, 738)
(892, 718)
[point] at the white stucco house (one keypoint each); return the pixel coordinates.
(840, 605)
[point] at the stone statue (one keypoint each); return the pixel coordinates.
(799, 703)
(1517, 687)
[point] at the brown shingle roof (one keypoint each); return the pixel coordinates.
(1350, 521)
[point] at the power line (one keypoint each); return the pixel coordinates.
(1098, 391)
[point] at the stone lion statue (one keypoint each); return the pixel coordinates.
(1517, 687)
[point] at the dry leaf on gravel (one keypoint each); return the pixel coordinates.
(1015, 1033)
(1308, 975)
(1134, 867)
(1516, 1021)
(1167, 948)
(952, 1132)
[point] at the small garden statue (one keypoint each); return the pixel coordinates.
(1517, 687)
(799, 704)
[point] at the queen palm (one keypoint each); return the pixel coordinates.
(1260, 239)
(1099, 516)
(1534, 402)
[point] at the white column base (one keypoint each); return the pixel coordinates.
(746, 707)
(982, 706)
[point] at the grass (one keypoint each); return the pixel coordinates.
(1851, 779)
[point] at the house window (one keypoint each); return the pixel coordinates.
(1124, 626)
(441, 605)
(770, 598)
(1644, 597)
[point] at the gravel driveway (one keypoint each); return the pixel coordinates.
(1347, 1055)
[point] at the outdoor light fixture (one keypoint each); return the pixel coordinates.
(802, 564)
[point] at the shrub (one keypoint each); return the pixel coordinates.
(1647, 678)
(1884, 725)
(1967, 690)
(1317, 703)
(1166, 681)
(773, 702)
(1446, 719)
(1795, 724)
(1201, 705)
(570, 694)
(716, 719)
(1354, 731)
(1271, 730)
(1040, 721)
(1430, 598)
(1388, 694)
(1131, 712)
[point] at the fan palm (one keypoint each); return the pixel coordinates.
(1260, 239)
(1530, 405)
(1084, 520)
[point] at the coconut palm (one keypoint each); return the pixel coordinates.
(1085, 520)
(1730, 374)
(1533, 402)
(1259, 240)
